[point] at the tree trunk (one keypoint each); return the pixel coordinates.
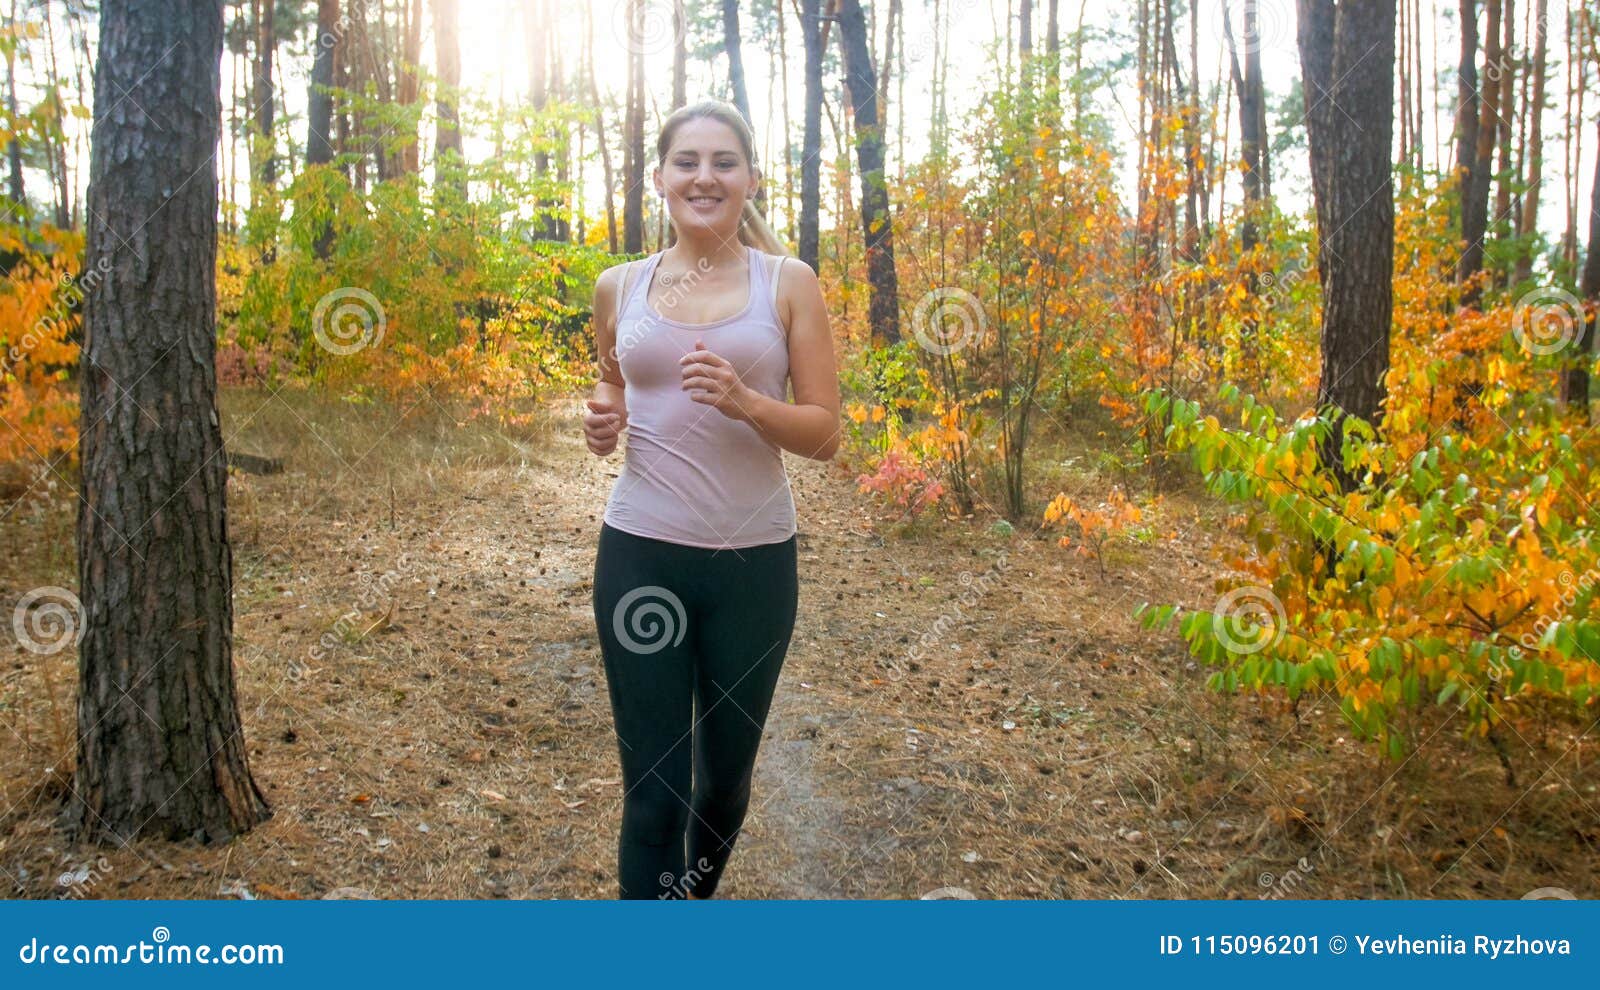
(1575, 382)
(1052, 47)
(633, 140)
(161, 749)
(14, 188)
(447, 158)
(261, 97)
(1475, 201)
(1347, 57)
(1466, 113)
(1533, 151)
(811, 143)
(1025, 31)
(680, 55)
(410, 83)
(876, 225)
(319, 104)
(730, 38)
(600, 132)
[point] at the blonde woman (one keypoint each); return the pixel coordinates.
(695, 583)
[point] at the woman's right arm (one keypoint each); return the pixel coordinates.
(607, 412)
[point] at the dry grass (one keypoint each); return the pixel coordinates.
(450, 737)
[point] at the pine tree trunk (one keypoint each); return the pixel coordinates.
(161, 749)
(735, 48)
(261, 96)
(811, 143)
(680, 55)
(1533, 151)
(600, 132)
(876, 225)
(1347, 58)
(633, 141)
(1575, 382)
(1475, 201)
(447, 158)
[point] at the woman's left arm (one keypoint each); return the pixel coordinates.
(809, 426)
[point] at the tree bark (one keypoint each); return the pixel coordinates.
(731, 41)
(448, 163)
(876, 225)
(600, 132)
(680, 56)
(1533, 151)
(1347, 57)
(811, 143)
(261, 97)
(161, 749)
(1575, 381)
(1475, 201)
(633, 140)
(14, 188)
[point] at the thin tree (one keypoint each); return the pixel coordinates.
(1347, 52)
(15, 187)
(811, 141)
(633, 137)
(877, 226)
(266, 171)
(600, 131)
(1528, 222)
(447, 162)
(1475, 198)
(1575, 381)
(735, 49)
(680, 55)
(161, 749)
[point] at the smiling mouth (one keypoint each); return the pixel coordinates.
(705, 200)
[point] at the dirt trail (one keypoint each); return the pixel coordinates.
(960, 708)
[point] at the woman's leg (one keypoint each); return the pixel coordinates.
(641, 616)
(741, 636)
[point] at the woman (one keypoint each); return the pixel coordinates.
(695, 584)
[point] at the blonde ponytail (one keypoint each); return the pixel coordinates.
(757, 233)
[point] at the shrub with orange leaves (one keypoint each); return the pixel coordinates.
(40, 302)
(1095, 525)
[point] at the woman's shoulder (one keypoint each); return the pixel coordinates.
(613, 279)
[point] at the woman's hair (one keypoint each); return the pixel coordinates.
(753, 230)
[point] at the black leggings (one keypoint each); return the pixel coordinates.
(681, 624)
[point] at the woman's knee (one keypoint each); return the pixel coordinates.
(654, 819)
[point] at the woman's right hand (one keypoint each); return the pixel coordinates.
(602, 424)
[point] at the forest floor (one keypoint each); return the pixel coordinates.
(426, 709)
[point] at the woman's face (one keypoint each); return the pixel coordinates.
(706, 178)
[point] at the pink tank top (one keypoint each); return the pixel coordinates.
(691, 475)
